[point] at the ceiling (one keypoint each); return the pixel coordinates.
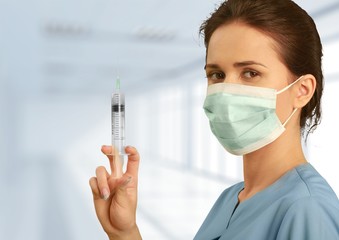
(80, 46)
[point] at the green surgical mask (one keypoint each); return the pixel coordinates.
(243, 118)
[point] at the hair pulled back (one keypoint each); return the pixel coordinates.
(296, 36)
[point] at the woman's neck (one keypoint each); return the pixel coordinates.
(264, 166)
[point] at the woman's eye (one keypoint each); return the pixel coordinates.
(216, 76)
(250, 74)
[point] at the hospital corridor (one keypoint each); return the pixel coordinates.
(59, 61)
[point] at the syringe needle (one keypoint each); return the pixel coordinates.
(117, 84)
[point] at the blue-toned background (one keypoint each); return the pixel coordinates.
(58, 63)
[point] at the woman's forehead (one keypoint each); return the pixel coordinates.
(239, 41)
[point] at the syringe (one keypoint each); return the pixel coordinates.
(118, 130)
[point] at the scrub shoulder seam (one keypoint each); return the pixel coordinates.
(306, 184)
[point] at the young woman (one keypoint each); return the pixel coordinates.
(263, 65)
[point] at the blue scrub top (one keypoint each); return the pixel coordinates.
(298, 206)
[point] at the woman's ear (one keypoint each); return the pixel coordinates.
(304, 90)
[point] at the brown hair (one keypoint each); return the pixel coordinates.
(293, 30)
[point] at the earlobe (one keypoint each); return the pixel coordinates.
(305, 90)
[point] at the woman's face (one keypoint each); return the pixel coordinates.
(240, 54)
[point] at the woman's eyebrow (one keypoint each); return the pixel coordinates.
(212, 65)
(237, 64)
(247, 63)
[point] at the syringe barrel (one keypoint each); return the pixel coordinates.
(118, 122)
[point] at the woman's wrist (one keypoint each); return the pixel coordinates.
(132, 234)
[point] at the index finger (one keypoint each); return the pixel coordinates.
(110, 152)
(133, 161)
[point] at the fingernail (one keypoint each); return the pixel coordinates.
(105, 194)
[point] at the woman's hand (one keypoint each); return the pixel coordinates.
(115, 199)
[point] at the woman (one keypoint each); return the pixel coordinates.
(263, 65)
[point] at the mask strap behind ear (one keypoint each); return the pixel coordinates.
(284, 124)
(288, 86)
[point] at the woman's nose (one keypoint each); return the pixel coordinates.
(232, 78)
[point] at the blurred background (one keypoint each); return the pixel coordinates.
(58, 63)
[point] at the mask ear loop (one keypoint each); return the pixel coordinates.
(284, 89)
(288, 119)
(288, 86)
